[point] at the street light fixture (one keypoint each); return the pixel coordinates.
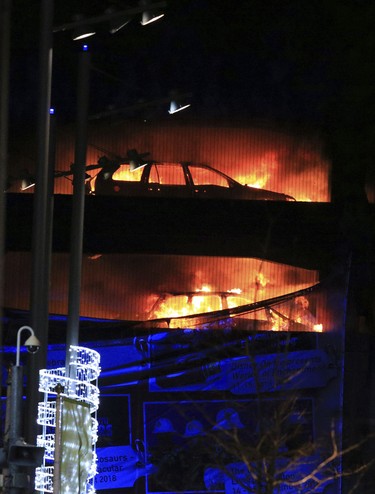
(119, 22)
(149, 16)
(82, 31)
(176, 106)
(32, 343)
(136, 160)
(112, 15)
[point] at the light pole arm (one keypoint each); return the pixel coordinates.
(19, 341)
(107, 17)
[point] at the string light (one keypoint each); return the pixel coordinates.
(86, 364)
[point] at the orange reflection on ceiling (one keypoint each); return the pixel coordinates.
(127, 286)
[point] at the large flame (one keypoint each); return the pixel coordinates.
(261, 172)
(295, 315)
(298, 313)
(131, 287)
(185, 305)
(203, 300)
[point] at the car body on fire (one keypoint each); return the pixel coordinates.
(230, 309)
(177, 304)
(204, 310)
(180, 180)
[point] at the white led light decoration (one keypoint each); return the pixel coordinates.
(84, 365)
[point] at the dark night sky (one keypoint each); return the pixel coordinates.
(284, 60)
(293, 62)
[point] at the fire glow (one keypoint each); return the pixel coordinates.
(146, 287)
(204, 301)
(289, 162)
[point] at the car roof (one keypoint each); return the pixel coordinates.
(192, 164)
(200, 292)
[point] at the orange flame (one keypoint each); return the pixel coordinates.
(205, 288)
(184, 305)
(261, 281)
(262, 173)
(124, 174)
(201, 301)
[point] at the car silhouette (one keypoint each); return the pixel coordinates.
(180, 180)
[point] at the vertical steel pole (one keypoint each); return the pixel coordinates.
(5, 10)
(8, 412)
(41, 241)
(78, 206)
(15, 430)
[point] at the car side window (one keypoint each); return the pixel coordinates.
(124, 174)
(167, 174)
(174, 306)
(205, 303)
(204, 176)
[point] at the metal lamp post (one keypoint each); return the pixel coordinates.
(19, 452)
(16, 383)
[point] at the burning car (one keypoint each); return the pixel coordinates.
(179, 304)
(206, 309)
(182, 180)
